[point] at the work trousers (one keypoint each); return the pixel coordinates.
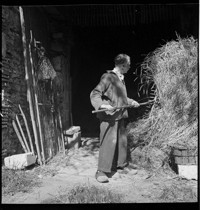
(113, 146)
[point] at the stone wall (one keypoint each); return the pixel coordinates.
(15, 86)
(13, 80)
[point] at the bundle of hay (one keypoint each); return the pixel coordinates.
(172, 120)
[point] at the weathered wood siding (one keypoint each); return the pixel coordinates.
(52, 96)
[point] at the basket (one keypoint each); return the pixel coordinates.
(185, 156)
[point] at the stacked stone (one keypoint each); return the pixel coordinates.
(13, 79)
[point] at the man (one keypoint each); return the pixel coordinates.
(109, 93)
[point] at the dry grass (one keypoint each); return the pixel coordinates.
(85, 193)
(14, 181)
(178, 193)
(171, 72)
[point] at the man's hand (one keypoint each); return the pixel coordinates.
(109, 107)
(106, 106)
(135, 104)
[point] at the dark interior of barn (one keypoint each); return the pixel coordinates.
(88, 37)
(101, 32)
(53, 56)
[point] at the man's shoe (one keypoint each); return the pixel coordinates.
(126, 170)
(101, 177)
(122, 170)
(132, 166)
(113, 175)
(116, 175)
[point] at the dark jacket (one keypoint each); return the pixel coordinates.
(110, 90)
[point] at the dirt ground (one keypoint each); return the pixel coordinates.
(78, 166)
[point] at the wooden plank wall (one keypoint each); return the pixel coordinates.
(119, 14)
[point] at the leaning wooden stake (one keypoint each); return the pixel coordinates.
(36, 102)
(19, 136)
(22, 133)
(29, 98)
(60, 122)
(57, 136)
(27, 129)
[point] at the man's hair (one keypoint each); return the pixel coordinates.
(121, 59)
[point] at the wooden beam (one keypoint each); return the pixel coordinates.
(19, 136)
(27, 78)
(27, 129)
(36, 100)
(62, 137)
(22, 133)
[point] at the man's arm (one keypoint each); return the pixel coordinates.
(97, 93)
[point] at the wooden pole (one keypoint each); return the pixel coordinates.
(70, 101)
(36, 102)
(122, 107)
(19, 136)
(62, 137)
(27, 77)
(27, 129)
(22, 133)
(56, 133)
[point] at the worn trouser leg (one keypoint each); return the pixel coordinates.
(111, 156)
(121, 145)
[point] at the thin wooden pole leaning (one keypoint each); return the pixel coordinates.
(27, 129)
(56, 135)
(22, 133)
(62, 137)
(36, 102)
(27, 77)
(19, 136)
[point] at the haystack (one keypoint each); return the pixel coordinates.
(172, 121)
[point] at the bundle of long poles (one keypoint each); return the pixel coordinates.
(30, 92)
(27, 129)
(20, 133)
(19, 136)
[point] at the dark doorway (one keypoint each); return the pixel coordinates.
(93, 53)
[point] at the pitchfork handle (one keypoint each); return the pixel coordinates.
(121, 107)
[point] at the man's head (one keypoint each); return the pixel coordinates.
(122, 62)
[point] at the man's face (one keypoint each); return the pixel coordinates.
(126, 67)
